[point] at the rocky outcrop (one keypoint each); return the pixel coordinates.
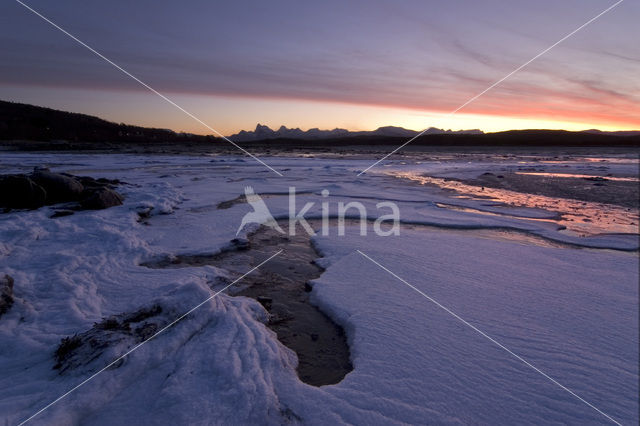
(59, 188)
(43, 187)
(101, 198)
(20, 192)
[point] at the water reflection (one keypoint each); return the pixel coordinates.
(580, 218)
(571, 175)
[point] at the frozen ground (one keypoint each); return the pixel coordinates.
(566, 304)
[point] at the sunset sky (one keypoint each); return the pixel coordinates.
(356, 65)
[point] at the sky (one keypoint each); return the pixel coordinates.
(357, 64)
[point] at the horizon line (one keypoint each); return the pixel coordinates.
(350, 130)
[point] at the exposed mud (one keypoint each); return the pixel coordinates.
(230, 203)
(281, 286)
(243, 199)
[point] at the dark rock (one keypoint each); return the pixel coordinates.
(308, 287)
(314, 337)
(145, 331)
(61, 213)
(265, 301)
(20, 192)
(144, 213)
(106, 181)
(92, 183)
(128, 329)
(143, 314)
(42, 187)
(89, 182)
(101, 198)
(241, 244)
(6, 294)
(109, 324)
(65, 349)
(59, 187)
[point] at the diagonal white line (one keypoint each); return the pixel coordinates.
(149, 87)
(500, 345)
(145, 341)
(496, 83)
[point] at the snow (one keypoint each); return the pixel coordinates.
(571, 313)
(570, 310)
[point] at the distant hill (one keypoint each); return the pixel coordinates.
(264, 132)
(615, 133)
(34, 123)
(21, 124)
(515, 138)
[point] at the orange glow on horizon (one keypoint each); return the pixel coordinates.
(307, 114)
(370, 117)
(231, 113)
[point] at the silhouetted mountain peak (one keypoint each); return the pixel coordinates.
(22, 122)
(264, 132)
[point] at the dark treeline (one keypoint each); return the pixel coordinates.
(21, 122)
(33, 123)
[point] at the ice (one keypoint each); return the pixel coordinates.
(570, 310)
(571, 313)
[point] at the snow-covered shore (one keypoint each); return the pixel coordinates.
(570, 310)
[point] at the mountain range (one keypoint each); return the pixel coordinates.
(31, 127)
(264, 132)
